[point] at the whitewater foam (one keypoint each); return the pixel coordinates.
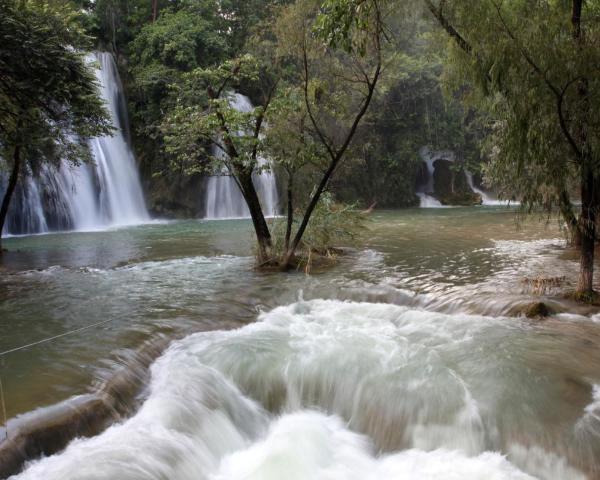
(328, 390)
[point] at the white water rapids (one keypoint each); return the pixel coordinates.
(327, 390)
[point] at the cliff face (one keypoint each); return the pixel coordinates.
(181, 197)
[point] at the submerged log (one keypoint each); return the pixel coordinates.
(49, 430)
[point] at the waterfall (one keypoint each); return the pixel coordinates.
(224, 198)
(424, 192)
(102, 194)
(486, 199)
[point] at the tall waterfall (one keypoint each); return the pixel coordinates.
(95, 196)
(224, 198)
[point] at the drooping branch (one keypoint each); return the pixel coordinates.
(563, 122)
(446, 25)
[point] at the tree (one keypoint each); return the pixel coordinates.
(335, 86)
(161, 52)
(205, 115)
(534, 69)
(338, 84)
(49, 104)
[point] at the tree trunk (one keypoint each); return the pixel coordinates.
(585, 285)
(566, 211)
(10, 189)
(289, 254)
(154, 10)
(263, 235)
(290, 211)
(587, 227)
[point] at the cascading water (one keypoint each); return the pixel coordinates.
(486, 199)
(121, 200)
(425, 190)
(103, 194)
(224, 198)
(335, 390)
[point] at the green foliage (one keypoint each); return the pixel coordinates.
(526, 73)
(180, 40)
(205, 116)
(49, 104)
(186, 36)
(411, 111)
(344, 23)
(332, 225)
(288, 141)
(160, 55)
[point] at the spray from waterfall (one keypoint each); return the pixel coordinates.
(224, 198)
(102, 194)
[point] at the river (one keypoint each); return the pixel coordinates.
(403, 361)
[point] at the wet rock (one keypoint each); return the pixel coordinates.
(451, 186)
(537, 310)
(49, 430)
(422, 175)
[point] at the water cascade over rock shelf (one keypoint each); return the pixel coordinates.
(335, 390)
(85, 197)
(224, 198)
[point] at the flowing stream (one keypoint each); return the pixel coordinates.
(403, 361)
(103, 194)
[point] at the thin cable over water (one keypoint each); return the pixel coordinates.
(45, 340)
(39, 342)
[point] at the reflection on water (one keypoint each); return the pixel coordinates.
(410, 350)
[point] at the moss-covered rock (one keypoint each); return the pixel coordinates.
(450, 184)
(590, 298)
(178, 197)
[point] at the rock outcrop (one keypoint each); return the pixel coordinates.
(450, 185)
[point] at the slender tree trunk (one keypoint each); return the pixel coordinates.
(290, 211)
(289, 255)
(576, 18)
(10, 189)
(154, 10)
(263, 235)
(566, 211)
(587, 227)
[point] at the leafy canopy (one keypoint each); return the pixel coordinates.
(49, 102)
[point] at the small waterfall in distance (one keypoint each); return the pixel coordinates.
(429, 157)
(223, 197)
(103, 194)
(486, 198)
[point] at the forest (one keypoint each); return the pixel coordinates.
(305, 239)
